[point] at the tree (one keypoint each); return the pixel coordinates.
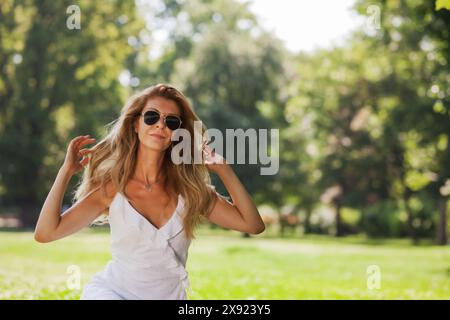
(59, 83)
(415, 37)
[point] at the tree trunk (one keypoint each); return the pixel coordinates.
(410, 220)
(338, 220)
(282, 226)
(442, 226)
(307, 228)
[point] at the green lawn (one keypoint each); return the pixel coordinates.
(222, 265)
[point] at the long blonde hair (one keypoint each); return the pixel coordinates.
(114, 158)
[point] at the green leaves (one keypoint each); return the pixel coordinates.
(442, 4)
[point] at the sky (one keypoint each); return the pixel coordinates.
(301, 24)
(307, 24)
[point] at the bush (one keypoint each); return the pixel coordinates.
(384, 219)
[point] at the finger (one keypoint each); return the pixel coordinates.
(205, 145)
(79, 137)
(86, 142)
(76, 143)
(207, 148)
(82, 155)
(84, 161)
(85, 151)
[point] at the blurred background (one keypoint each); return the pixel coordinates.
(359, 91)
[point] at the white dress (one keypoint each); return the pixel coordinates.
(147, 263)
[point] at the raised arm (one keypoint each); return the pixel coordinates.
(51, 225)
(240, 215)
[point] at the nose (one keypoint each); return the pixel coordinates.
(161, 123)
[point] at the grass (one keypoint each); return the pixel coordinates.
(223, 265)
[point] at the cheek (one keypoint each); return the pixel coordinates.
(167, 144)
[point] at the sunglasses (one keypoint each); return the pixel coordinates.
(152, 117)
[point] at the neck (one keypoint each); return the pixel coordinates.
(149, 165)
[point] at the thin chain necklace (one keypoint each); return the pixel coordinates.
(148, 185)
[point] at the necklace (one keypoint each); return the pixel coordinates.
(148, 185)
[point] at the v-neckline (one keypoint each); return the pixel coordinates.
(175, 212)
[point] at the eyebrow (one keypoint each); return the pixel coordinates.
(169, 114)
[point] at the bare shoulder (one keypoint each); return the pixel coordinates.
(104, 196)
(111, 191)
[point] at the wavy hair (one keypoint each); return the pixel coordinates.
(113, 159)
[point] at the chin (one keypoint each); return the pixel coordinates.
(156, 146)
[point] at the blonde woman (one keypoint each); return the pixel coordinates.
(152, 204)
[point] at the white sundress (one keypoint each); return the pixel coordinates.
(147, 263)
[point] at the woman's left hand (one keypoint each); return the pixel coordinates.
(213, 161)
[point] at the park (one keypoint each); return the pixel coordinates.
(336, 138)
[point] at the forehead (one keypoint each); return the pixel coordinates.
(163, 105)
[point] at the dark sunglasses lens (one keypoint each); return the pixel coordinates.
(173, 123)
(151, 117)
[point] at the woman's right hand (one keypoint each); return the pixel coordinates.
(75, 157)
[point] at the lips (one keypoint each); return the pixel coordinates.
(158, 136)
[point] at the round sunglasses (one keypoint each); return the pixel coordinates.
(152, 117)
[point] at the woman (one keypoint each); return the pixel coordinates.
(152, 204)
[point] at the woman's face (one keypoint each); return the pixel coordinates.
(157, 136)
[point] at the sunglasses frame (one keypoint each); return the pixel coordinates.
(164, 118)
